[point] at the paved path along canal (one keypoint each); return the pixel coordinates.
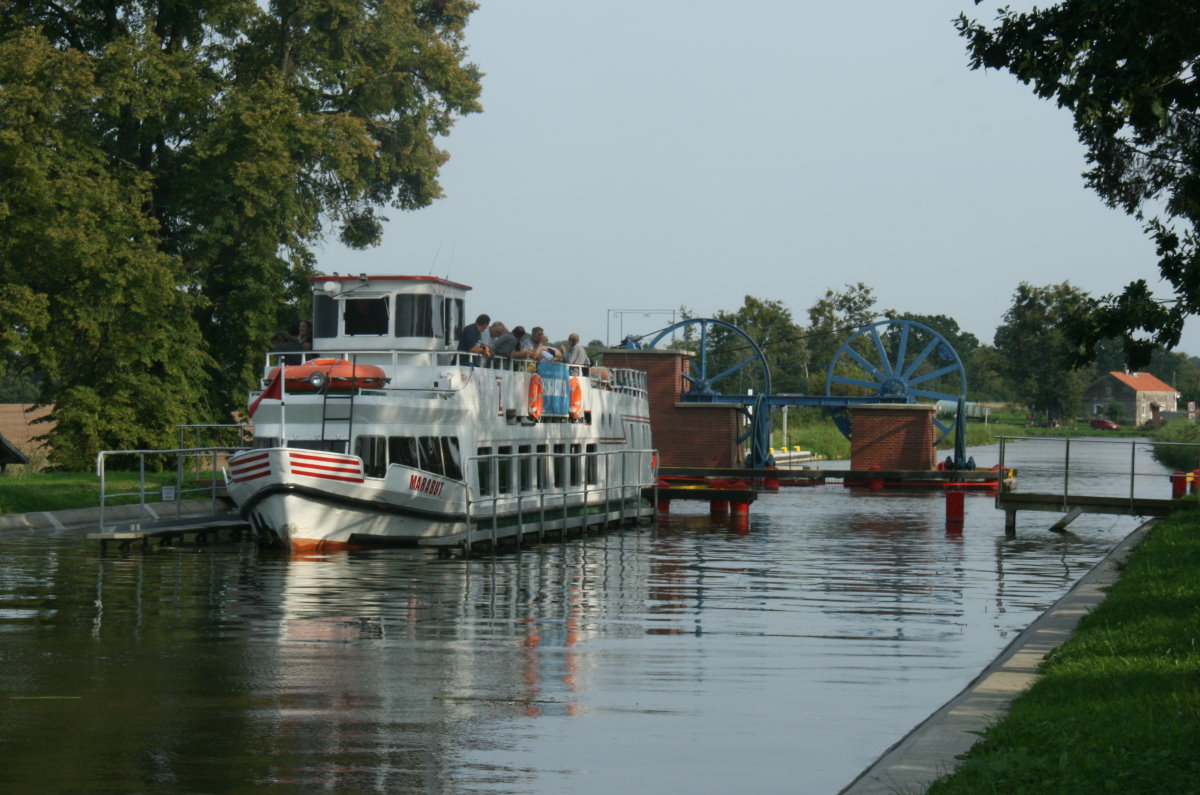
(684, 657)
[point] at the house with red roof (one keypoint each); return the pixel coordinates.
(1131, 398)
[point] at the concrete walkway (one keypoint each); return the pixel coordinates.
(930, 750)
(89, 518)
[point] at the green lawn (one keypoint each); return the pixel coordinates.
(1118, 706)
(56, 491)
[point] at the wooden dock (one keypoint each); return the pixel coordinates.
(169, 531)
(1074, 505)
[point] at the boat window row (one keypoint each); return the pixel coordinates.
(400, 315)
(437, 455)
(535, 468)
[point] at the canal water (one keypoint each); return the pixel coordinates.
(687, 656)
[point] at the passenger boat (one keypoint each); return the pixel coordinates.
(451, 448)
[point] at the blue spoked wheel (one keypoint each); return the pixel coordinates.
(896, 359)
(724, 353)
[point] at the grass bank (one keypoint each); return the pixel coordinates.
(1180, 457)
(57, 491)
(1117, 708)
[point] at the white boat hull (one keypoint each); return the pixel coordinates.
(316, 500)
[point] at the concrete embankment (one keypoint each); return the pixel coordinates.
(87, 519)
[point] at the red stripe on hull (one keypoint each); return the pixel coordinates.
(241, 469)
(251, 477)
(327, 477)
(243, 460)
(327, 459)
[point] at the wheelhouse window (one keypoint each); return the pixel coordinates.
(452, 319)
(365, 316)
(325, 316)
(414, 315)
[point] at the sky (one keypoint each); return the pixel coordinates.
(639, 156)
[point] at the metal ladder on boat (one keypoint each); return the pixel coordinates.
(332, 405)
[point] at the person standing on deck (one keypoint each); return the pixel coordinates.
(504, 342)
(471, 339)
(576, 353)
(304, 335)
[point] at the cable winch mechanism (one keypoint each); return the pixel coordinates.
(888, 361)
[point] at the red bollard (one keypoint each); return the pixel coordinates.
(1178, 485)
(771, 483)
(740, 508)
(875, 484)
(954, 506)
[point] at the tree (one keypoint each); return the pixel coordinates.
(832, 319)
(769, 323)
(1129, 71)
(88, 296)
(1037, 357)
(166, 169)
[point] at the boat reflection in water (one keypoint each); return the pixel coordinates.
(687, 656)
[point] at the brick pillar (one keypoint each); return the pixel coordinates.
(893, 436)
(685, 434)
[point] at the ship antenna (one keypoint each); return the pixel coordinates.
(436, 254)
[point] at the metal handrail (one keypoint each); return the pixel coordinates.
(1007, 487)
(560, 495)
(181, 454)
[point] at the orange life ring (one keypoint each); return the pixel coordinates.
(576, 409)
(535, 396)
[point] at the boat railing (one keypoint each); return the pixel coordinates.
(616, 379)
(609, 481)
(196, 475)
(620, 379)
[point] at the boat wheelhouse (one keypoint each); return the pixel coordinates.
(438, 447)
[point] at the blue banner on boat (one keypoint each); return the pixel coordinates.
(555, 394)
